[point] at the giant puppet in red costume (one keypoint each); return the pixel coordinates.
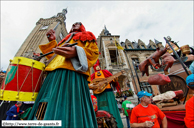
(106, 100)
(65, 89)
(104, 74)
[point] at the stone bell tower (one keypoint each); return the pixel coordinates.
(112, 58)
(38, 34)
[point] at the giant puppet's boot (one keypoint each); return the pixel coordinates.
(159, 79)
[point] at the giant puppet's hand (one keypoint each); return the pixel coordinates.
(152, 60)
(68, 52)
(51, 35)
(167, 60)
(190, 58)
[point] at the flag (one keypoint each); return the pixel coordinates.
(118, 45)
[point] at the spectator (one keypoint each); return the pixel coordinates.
(146, 114)
(12, 113)
(124, 108)
(121, 101)
(119, 106)
(189, 117)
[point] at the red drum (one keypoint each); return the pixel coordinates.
(23, 80)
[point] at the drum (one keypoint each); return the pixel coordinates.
(23, 80)
(177, 83)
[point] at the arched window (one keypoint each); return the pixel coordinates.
(143, 47)
(113, 56)
(135, 61)
(129, 46)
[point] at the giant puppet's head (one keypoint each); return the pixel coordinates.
(81, 34)
(77, 27)
(97, 66)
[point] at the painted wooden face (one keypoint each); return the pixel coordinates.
(97, 68)
(75, 27)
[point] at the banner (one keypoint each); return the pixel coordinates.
(118, 45)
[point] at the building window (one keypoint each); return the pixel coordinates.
(145, 86)
(44, 27)
(61, 36)
(135, 62)
(113, 56)
(122, 44)
(129, 46)
(142, 46)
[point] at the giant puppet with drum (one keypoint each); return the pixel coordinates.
(65, 95)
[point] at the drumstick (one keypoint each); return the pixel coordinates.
(53, 51)
(54, 28)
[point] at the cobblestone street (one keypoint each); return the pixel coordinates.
(123, 120)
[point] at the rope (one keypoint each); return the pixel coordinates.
(37, 82)
(32, 75)
(176, 71)
(25, 78)
(17, 73)
(1, 103)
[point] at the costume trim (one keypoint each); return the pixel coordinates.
(80, 62)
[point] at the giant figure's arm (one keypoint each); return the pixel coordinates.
(92, 53)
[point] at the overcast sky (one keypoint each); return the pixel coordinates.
(131, 20)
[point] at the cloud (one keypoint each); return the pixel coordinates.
(131, 20)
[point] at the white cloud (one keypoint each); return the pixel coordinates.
(131, 20)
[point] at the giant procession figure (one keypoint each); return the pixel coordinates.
(106, 99)
(64, 94)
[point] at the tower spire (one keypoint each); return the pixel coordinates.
(63, 13)
(106, 32)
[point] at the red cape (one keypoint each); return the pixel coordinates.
(83, 36)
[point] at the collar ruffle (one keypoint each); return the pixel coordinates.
(82, 36)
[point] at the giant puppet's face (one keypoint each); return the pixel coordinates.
(76, 27)
(97, 68)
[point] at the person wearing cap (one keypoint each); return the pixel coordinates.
(12, 113)
(146, 114)
(124, 108)
(189, 107)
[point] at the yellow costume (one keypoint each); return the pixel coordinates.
(65, 89)
(59, 61)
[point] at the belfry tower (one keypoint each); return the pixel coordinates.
(112, 58)
(38, 34)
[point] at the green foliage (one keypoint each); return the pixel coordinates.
(124, 93)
